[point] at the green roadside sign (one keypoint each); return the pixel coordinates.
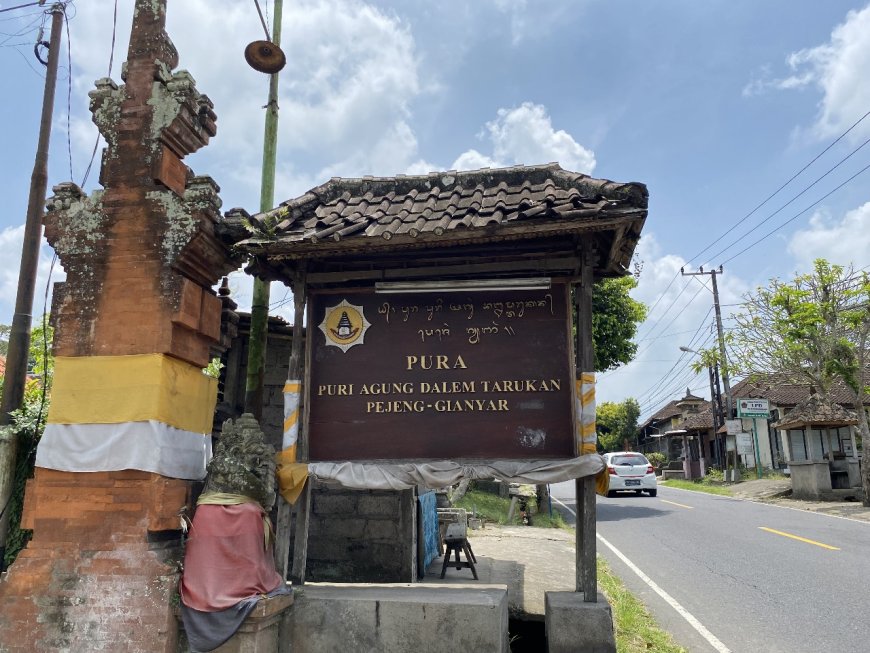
(753, 408)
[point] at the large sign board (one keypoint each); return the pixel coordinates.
(440, 375)
(753, 408)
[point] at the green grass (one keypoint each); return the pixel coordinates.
(636, 630)
(697, 486)
(494, 509)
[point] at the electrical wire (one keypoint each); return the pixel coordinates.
(108, 74)
(655, 386)
(668, 307)
(28, 4)
(678, 313)
(68, 93)
(793, 199)
(797, 215)
(667, 387)
(668, 382)
(782, 187)
(756, 208)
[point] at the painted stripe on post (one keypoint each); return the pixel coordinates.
(292, 395)
(585, 399)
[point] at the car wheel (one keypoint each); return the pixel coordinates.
(611, 494)
(652, 493)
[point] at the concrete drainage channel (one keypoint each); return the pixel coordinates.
(527, 636)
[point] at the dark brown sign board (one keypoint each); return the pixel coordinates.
(483, 375)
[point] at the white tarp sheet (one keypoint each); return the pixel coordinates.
(401, 476)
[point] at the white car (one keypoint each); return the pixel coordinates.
(629, 470)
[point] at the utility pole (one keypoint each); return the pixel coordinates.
(725, 382)
(260, 301)
(19, 336)
(729, 401)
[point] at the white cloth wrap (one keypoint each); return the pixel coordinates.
(401, 476)
(150, 446)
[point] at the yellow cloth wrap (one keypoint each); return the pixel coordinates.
(227, 499)
(602, 482)
(291, 475)
(118, 389)
(223, 499)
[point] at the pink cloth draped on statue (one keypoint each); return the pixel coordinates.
(226, 559)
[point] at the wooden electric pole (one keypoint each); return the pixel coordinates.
(724, 361)
(19, 337)
(729, 400)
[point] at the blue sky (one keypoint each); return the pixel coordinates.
(714, 105)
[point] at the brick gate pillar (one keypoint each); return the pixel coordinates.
(130, 420)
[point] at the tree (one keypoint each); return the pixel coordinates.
(5, 329)
(814, 329)
(615, 316)
(28, 423)
(616, 423)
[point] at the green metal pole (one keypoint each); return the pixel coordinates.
(757, 451)
(260, 301)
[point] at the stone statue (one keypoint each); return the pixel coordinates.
(243, 463)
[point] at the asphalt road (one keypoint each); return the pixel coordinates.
(737, 569)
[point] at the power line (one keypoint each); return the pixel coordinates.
(673, 301)
(677, 315)
(29, 4)
(657, 385)
(754, 210)
(793, 199)
(672, 381)
(108, 74)
(783, 186)
(797, 215)
(656, 407)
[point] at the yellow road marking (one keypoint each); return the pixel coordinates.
(681, 505)
(800, 539)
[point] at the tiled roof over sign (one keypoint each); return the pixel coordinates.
(453, 207)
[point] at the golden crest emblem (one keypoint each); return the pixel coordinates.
(344, 325)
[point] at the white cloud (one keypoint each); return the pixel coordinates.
(11, 240)
(519, 19)
(344, 96)
(680, 315)
(535, 21)
(473, 160)
(838, 69)
(525, 135)
(841, 241)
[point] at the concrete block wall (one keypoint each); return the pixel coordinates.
(422, 619)
(362, 536)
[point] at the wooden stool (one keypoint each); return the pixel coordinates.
(457, 544)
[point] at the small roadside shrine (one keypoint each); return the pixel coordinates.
(835, 475)
(449, 329)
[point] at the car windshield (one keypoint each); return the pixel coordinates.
(628, 460)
